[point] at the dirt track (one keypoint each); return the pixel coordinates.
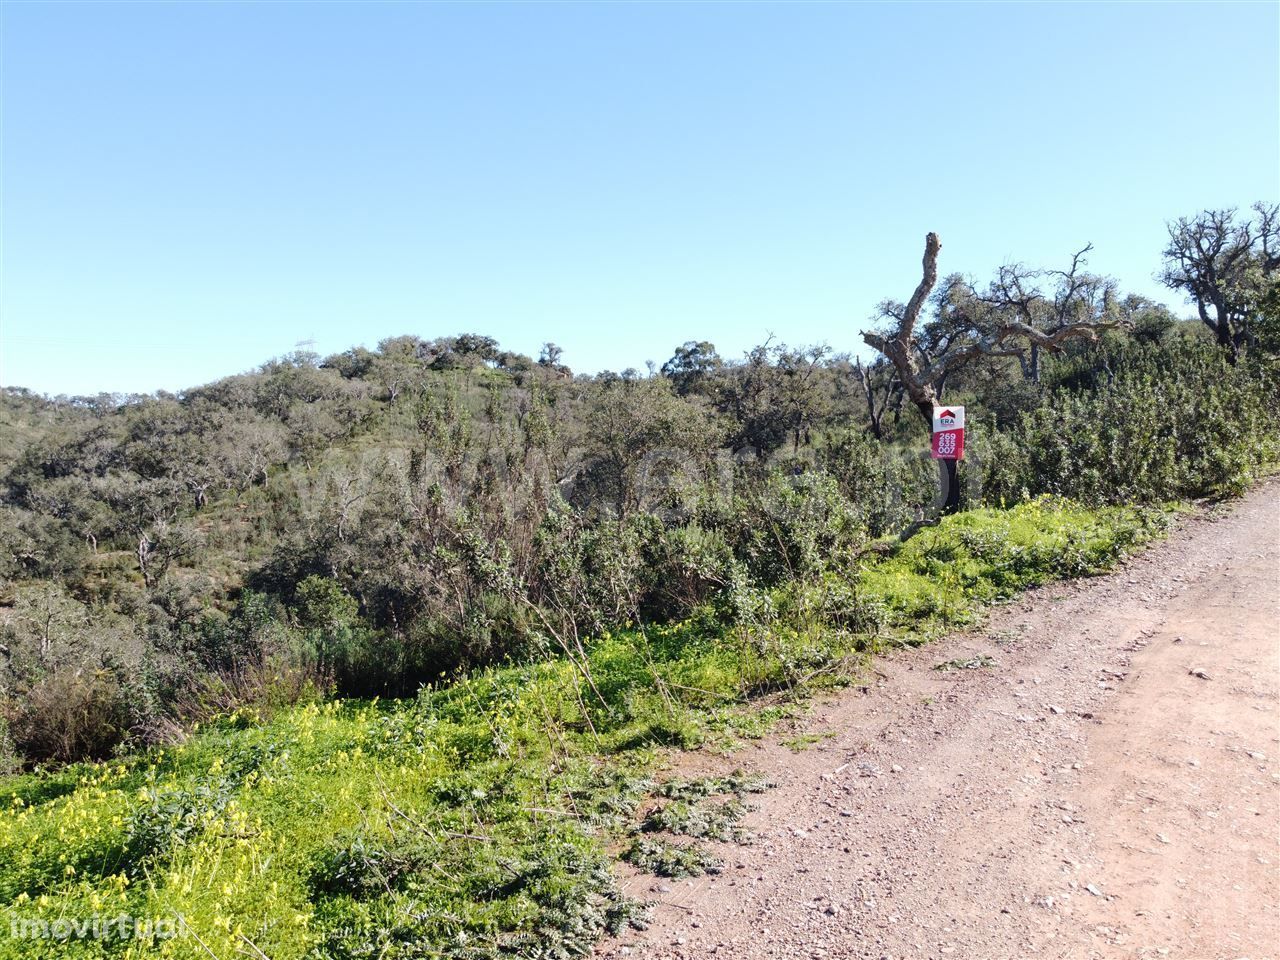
(1086, 796)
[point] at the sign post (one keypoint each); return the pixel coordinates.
(948, 448)
(948, 433)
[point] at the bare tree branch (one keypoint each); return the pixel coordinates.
(1223, 265)
(1013, 318)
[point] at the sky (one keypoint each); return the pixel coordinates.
(189, 189)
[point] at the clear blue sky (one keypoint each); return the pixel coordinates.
(189, 189)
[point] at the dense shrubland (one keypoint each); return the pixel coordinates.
(1137, 423)
(478, 818)
(372, 521)
(523, 580)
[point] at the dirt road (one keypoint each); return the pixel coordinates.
(1109, 788)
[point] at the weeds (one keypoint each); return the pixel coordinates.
(701, 819)
(474, 820)
(804, 741)
(967, 663)
(738, 783)
(665, 859)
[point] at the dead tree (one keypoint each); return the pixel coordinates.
(1079, 304)
(1225, 267)
(879, 388)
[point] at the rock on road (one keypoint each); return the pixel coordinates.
(1110, 787)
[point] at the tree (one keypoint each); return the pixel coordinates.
(247, 447)
(1013, 317)
(353, 364)
(549, 359)
(550, 355)
(691, 365)
(1077, 304)
(799, 391)
(1146, 320)
(640, 437)
(775, 395)
(476, 345)
(1226, 267)
(879, 388)
(395, 372)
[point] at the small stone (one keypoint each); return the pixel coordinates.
(1197, 672)
(1055, 709)
(896, 768)
(1092, 889)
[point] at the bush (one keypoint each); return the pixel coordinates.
(10, 762)
(1136, 423)
(691, 565)
(69, 715)
(794, 527)
(261, 687)
(887, 487)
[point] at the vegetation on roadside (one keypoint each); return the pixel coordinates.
(377, 655)
(478, 819)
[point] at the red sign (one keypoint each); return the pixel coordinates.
(948, 433)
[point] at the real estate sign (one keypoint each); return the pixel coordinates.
(948, 433)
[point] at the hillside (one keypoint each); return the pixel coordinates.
(383, 654)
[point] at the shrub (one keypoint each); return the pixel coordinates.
(794, 527)
(887, 487)
(264, 687)
(691, 565)
(1138, 423)
(69, 715)
(10, 762)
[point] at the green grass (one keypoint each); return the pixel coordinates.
(945, 574)
(477, 820)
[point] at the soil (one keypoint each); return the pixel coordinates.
(1108, 787)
